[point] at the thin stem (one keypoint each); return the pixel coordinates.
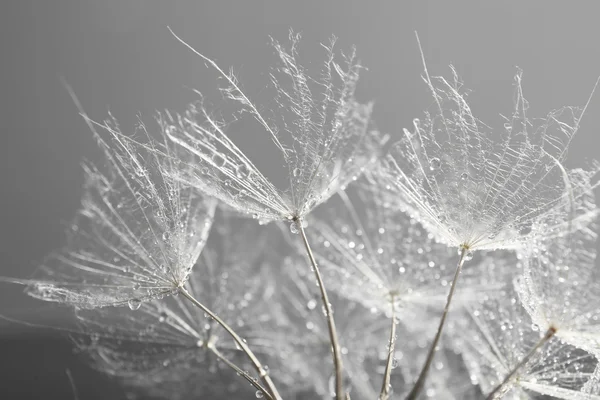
(414, 393)
(385, 386)
(241, 372)
(337, 358)
(498, 391)
(264, 375)
(72, 383)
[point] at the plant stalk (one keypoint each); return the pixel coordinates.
(337, 358)
(262, 373)
(386, 385)
(498, 391)
(241, 372)
(416, 390)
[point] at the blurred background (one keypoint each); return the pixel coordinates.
(118, 55)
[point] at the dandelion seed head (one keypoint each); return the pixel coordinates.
(166, 343)
(560, 285)
(138, 232)
(323, 134)
(496, 338)
(469, 184)
(403, 265)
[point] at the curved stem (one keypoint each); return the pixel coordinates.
(337, 358)
(498, 391)
(414, 393)
(241, 372)
(385, 386)
(240, 342)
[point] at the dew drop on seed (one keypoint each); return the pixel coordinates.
(169, 129)
(218, 160)
(241, 171)
(294, 228)
(134, 304)
(468, 255)
(434, 164)
(162, 317)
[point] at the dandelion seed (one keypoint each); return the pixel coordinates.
(490, 353)
(183, 346)
(560, 286)
(134, 239)
(473, 186)
(322, 132)
(490, 186)
(390, 265)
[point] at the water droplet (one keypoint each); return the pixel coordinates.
(218, 160)
(435, 164)
(166, 235)
(312, 303)
(296, 172)
(259, 394)
(134, 304)
(162, 317)
(241, 171)
(294, 228)
(468, 255)
(464, 176)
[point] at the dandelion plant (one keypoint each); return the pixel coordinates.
(178, 294)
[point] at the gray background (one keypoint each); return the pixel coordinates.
(119, 55)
